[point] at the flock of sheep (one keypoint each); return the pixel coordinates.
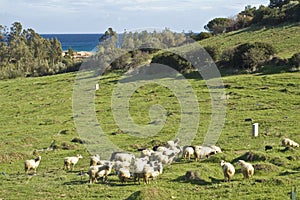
(149, 165)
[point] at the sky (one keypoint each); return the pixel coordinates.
(96, 16)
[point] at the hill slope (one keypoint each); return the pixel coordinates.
(285, 38)
(36, 111)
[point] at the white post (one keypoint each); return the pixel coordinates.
(255, 129)
(97, 87)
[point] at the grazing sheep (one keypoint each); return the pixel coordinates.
(124, 174)
(197, 152)
(98, 171)
(95, 160)
(146, 152)
(123, 157)
(286, 142)
(228, 170)
(70, 162)
(119, 165)
(247, 169)
(188, 152)
(150, 172)
(32, 164)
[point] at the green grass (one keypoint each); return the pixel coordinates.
(285, 38)
(36, 111)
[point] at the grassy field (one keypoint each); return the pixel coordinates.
(36, 111)
(285, 38)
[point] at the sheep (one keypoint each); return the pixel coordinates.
(32, 164)
(70, 162)
(124, 174)
(120, 156)
(117, 165)
(228, 170)
(247, 169)
(171, 143)
(149, 172)
(286, 142)
(95, 160)
(98, 171)
(197, 152)
(188, 152)
(146, 152)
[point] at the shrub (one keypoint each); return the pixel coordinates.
(251, 55)
(202, 36)
(294, 61)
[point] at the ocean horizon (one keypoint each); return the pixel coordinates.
(78, 42)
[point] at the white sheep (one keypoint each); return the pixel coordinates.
(247, 169)
(228, 170)
(286, 142)
(124, 174)
(98, 171)
(150, 172)
(188, 151)
(197, 152)
(121, 156)
(95, 160)
(32, 164)
(70, 162)
(146, 152)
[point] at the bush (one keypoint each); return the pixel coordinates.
(294, 61)
(249, 56)
(172, 60)
(202, 36)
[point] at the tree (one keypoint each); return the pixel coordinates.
(218, 25)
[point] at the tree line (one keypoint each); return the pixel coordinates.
(276, 12)
(24, 53)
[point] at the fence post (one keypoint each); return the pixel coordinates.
(255, 129)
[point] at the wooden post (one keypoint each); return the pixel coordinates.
(255, 129)
(97, 87)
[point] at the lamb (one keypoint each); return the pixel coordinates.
(32, 164)
(286, 142)
(70, 162)
(228, 170)
(124, 174)
(98, 171)
(247, 169)
(95, 160)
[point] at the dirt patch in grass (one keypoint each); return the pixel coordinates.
(251, 156)
(149, 194)
(11, 157)
(265, 167)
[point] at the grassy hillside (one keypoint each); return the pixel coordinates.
(36, 111)
(285, 38)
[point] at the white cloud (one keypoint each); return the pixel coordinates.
(69, 15)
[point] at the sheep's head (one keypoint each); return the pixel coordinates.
(79, 156)
(222, 162)
(241, 162)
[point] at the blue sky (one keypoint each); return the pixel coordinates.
(95, 16)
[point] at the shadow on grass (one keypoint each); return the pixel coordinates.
(197, 180)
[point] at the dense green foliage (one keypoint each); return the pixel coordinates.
(250, 55)
(277, 12)
(26, 53)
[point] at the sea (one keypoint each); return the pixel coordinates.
(78, 42)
